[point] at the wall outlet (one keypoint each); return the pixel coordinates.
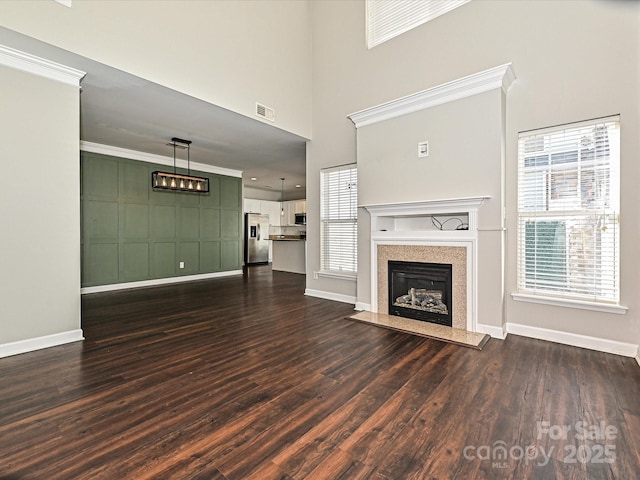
(181, 264)
(423, 149)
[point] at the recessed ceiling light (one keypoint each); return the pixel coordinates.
(298, 186)
(254, 178)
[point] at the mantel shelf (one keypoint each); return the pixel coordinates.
(424, 235)
(426, 207)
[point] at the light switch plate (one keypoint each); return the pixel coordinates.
(423, 149)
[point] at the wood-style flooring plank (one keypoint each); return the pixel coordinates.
(247, 378)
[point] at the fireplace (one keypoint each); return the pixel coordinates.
(402, 232)
(421, 291)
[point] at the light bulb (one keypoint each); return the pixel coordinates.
(164, 181)
(181, 183)
(198, 187)
(190, 185)
(173, 183)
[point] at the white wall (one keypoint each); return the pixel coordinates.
(226, 52)
(574, 60)
(39, 211)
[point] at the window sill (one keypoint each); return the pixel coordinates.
(564, 302)
(340, 276)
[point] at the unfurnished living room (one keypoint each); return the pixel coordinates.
(318, 239)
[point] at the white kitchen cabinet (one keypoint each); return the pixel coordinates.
(273, 210)
(252, 205)
(291, 208)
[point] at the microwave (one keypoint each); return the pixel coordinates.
(300, 218)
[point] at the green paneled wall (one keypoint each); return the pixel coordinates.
(131, 232)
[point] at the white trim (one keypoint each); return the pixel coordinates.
(42, 67)
(565, 302)
(363, 307)
(574, 339)
(426, 207)
(494, 332)
(38, 343)
(66, 3)
(152, 158)
(337, 297)
(498, 77)
(158, 281)
(638, 356)
(338, 276)
(436, 238)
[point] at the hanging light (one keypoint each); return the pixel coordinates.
(175, 181)
(282, 196)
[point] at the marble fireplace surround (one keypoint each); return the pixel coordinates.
(403, 231)
(455, 256)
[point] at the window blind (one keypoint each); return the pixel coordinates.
(389, 18)
(339, 219)
(568, 211)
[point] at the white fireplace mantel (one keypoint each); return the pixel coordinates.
(409, 224)
(428, 208)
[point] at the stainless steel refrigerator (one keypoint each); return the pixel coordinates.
(256, 238)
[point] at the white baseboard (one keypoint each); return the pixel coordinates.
(493, 332)
(37, 343)
(576, 340)
(360, 306)
(338, 297)
(638, 356)
(158, 281)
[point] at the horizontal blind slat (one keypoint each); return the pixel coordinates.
(568, 200)
(389, 18)
(338, 216)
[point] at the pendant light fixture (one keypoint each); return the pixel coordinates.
(175, 181)
(282, 196)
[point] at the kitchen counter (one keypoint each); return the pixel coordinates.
(287, 238)
(289, 254)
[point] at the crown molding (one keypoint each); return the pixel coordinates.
(26, 62)
(498, 77)
(152, 158)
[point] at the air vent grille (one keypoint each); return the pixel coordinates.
(265, 112)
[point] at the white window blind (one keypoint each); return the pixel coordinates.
(568, 211)
(389, 18)
(339, 219)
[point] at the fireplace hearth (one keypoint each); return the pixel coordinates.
(421, 291)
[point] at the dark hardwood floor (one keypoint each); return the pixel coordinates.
(246, 378)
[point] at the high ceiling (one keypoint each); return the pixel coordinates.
(121, 110)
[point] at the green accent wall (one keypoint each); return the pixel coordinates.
(131, 232)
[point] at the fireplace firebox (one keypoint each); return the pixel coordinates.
(421, 291)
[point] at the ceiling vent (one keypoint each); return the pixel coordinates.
(265, 112)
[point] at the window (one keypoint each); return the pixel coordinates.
(339, 220)
(389, 18)
(568, 211)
